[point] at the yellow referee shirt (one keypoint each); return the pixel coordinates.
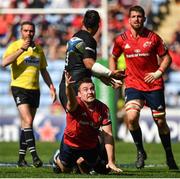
(25, 70)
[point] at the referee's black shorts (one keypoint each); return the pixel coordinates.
(26, 96)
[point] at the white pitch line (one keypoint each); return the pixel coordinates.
(122, 165)
(15, 165)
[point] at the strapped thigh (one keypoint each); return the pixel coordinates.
(133, 105)
(158, 114)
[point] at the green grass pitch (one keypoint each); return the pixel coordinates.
(125, 157)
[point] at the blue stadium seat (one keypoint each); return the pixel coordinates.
(174, 76)
(5, 88)
(5, 75)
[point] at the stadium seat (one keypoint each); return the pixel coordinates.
(5, 76)
(174, 77)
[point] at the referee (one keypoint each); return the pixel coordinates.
(26, 60)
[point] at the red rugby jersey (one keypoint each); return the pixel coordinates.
(82, 125)
(141, 58)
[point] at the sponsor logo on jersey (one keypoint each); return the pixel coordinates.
(127, 46)
(31, 60)
(137, 55)
(137, 50)
(89, 123)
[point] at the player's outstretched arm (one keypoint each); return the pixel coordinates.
(70, 93)
(108, 77)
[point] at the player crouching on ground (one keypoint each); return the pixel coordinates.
(79, 146)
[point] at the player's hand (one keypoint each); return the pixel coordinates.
(68, 79)
(118, 74)
(151, 77)
(116, 84)
(105, 80)
(53, 93)
(114, 168)
(111, 82)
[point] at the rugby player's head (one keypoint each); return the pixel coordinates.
(86, 90)
(91, 20)
(136, 17)
(137, 9)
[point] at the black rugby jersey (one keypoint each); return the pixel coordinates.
(74, 64)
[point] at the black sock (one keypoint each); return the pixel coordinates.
(22, 146)
(137, 137)
(30, 140)
(166, 142)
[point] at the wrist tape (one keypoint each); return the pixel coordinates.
(100, 70)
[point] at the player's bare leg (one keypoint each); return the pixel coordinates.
(133, 108)
(164, 134)
(82, 165)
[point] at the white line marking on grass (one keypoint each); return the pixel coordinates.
(15, 165)
(131, 165)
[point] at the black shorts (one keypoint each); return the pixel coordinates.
(153, 99)
(26, 96)
(69, 155)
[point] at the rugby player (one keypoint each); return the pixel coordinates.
(80, 143)
(146, 58)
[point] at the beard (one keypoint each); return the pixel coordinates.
(137, 27)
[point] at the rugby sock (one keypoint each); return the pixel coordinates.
(137, 137)
(30, 140)
(22, 146)
(166, 142)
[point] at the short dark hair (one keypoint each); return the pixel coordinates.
(28, 23)
(91, 19)
(137, 9)
(85, 80)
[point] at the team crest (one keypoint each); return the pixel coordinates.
(147, 44)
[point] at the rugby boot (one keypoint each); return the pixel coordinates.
(141, 156)
(37, 162)
(172, 164)
(22, 163)
(55, 167)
